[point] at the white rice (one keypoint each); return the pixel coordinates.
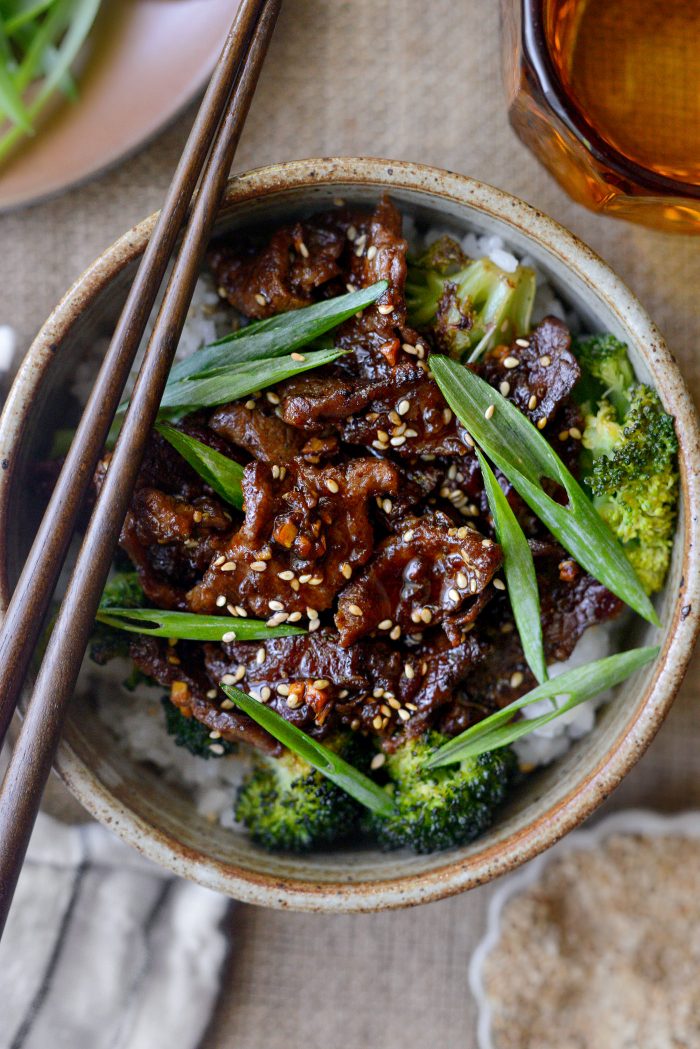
(136, 718)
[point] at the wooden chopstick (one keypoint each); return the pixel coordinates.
(30, 764)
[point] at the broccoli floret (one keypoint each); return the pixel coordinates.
(287, 805)
(606, 371)
(442, 807)
(633, 479)
(123, 590)
(191, 734)
(465, 302)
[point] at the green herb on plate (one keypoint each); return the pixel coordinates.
(222, 474)
(521, 453)
(189, 626)
(519, 570)
(331, 765)
(578, 685)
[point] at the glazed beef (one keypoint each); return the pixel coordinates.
(365, 519)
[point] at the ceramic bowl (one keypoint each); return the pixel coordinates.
(160, 820)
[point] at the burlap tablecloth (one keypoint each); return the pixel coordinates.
(419, 81)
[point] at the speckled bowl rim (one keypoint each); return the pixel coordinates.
(628, 821)
(454, 875)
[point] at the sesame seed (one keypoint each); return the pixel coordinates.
(230, 635)
(408, 535)
(403, 406)
(275, 472)
(197, 516)
(377, 693)
(283, 690)
(447, 416)
(332, 486)
(453, 596)
(382, 435)
(249, 405)
(260, 655)
(396, 442)
(407, 347)
(395, 634)
(386, 624)
(230, 679)
(294, 702)
(381, 446)
(541, 423)
(411, 433)
(272, 397)
(393, 702)
(575, 433)
(339, 202)
(240, 674)
(499, 584)
(279, 617)
(286, 575)
(504, 388)
(545, 360)
(426, 615)
(212, 694)
(488, 414)
(411, 706)
(377, 761)
(522, 342)
(312, 613)
(231, 610)
(260, 299)
(385, 710)
(220, 601)
(343, 694)
(532, 403)
(387, 506)
(346, 570)
(321, 683)
(564, 435)
(351, 232)
(219, 561)
(404, 715)
(511, 362)
(472, 586)
(386, 309)
(354, 610)
(395, 418)
(276, 606)
(305, 577)
(314, 625)
(461, 580)
(468, 440)
(294, 617)
(315, 580)
(516, 679)
(240, 611)
(409, 671)
(355, 724)
(371, 252)
(350, 287)
(294, 583)
(377, 722)
(265, 693)
(297, 356)
(230, 566)
(216, 748)
(226, 704)
(258, 566)
(303, 250)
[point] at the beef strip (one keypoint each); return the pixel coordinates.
(428, 573)
(257, 430)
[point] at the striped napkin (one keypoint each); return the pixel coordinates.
(103, 950)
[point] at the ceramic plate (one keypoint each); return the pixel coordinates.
(147, 59)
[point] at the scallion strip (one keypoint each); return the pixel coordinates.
(190, 626)
(222, 474)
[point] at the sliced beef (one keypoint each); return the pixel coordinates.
(257, 430)
(428, 573)
(307, 530)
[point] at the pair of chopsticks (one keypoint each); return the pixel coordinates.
(194, 195)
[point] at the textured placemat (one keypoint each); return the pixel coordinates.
(419, 81)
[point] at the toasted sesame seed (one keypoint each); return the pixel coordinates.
(343, 694)
(294, 583)
(297, 356)
(377, 722)
(453, 596)
(240, 611)
(387, 506)
(231, 609)
(217, 748)
(386, 624)
(408, 535)
(499, 584)
(286, 575)
(408, 347)
(312, 613)
(314, 625)
(220, 601)
(404, 715)
(395, 634)
(409, 671)
(230, 635)
(315, 580)
(350, 287)
(386, 309)
(396, 442)
(426, 615)
(351, 232)
(462, 580)
(377, 693)
(411, 432)
(541, 423)
(321, 683)
(381, 446)
(354, 610)
(240, 673)
(226, 704)
(564, 435)
(260, 654)
(250, 404)
(197, 516)
(230, 679)
(276, 606)
(355, 724)
(522, 342)
(265, 693)
(275, 472)
(346, 570)
(272, 397)
(332, 485)
(212, 694)
(283, 690)
(545, 360)
(382, 435)
(488, 414)
(487, 542)
(468, 440)
(403, 407)
(258, 566)
(260, 299)
(294, 617)
(447, 415)
(371, 252)
(511, 362)
(219, 561)
(385, 710)
(294, 702)
(516, 679)
(472, 585)
(276, 619)
(305, 577)
(504, 387)
(532, 403)
(377, 761)
(303, 250)
(575, 433)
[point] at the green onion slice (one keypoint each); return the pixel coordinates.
(189, 626)
(222, 474)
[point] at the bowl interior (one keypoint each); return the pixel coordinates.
(160, 817)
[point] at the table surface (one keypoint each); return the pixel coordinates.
(427, 88)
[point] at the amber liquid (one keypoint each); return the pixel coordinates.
(632, 67)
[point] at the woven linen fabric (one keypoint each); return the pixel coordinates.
(103, 950)
(412, 80)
